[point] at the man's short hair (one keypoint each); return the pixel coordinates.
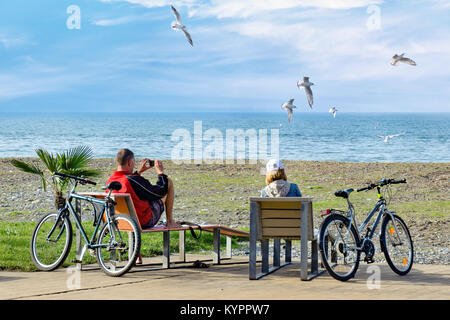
(123, 156)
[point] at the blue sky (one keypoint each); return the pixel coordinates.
(247, 55)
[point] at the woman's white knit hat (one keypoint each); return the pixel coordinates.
(274, 165)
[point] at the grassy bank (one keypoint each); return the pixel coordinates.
(15, 245)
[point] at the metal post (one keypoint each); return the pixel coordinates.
(276, 252)
(265, 255)
(304, 240)
(288, 252)
(216, 252)
(166, 249)
(229, 250)
(253, 241)
(182, 245)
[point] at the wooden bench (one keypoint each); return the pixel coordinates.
(282, 218)
(125, 206)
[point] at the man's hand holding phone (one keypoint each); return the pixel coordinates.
(148, 164)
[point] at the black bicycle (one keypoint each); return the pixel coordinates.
(116, 240)
(341, 240)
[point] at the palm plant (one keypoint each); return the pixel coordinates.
(72, 161)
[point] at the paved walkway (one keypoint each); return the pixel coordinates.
(226, 281)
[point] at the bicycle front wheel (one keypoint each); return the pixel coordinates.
(51, 241)
(338, 247)
(397, 245)
(119, 244)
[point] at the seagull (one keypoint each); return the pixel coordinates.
(307, 85)
(400, 58)
(179, 26)
(333, 110)
(387, 138)
(288, 107)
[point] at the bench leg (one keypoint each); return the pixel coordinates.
(314, 256)
(216, 244)
(276, 252)
(265, 256)
(253, 244)
(304, 241)
(229, 252)
(288, 251)
(182, 245)
(166, 249)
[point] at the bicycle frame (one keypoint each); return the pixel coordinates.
(69, 208)
(380, 207)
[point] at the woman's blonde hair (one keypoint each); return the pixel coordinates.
(272, 176)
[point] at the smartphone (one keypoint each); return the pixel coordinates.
(150, 163)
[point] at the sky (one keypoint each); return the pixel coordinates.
(247, 55)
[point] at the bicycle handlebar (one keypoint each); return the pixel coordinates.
(383, 182)
(81, 180)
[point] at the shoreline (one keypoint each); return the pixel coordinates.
(218, 193)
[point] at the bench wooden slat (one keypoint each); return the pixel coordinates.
(281, 223)
(280, 205)
(281, 232)
(287, 214)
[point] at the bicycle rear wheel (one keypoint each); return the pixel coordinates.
(397, 245)
(338, 247)
(119, 245)
(51, 241)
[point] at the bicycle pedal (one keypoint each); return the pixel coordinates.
(369, 260)
(76, 261)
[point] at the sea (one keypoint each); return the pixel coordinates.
(350, 137)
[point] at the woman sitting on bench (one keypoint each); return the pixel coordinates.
(276, 182)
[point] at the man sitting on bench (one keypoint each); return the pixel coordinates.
(149, 200)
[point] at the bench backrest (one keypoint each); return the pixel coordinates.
(281, 217)
(124, 203)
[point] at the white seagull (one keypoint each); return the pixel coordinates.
(333, 110)
(179, 26)
(288, 107)
(400, 58)
(387, 138)
(307, 85)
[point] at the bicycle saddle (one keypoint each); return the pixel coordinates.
(114, 185)
(343, 193)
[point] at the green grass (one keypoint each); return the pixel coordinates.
(15, 245)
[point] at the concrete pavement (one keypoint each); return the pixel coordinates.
(226, 281)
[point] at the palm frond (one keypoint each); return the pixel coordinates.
(49, 160)
(30, 168)
(77, 157)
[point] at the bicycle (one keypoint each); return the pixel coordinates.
(116, 247)
(341, 241)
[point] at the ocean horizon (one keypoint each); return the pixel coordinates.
(350, 137)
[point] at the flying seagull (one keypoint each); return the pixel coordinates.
(387, 138)
(307, 85)
(400, 58)
(288, 107)
(179, 26)
(333, 110)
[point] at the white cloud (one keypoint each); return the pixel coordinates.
(9, 41)
(114, 22)
(244, 9)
